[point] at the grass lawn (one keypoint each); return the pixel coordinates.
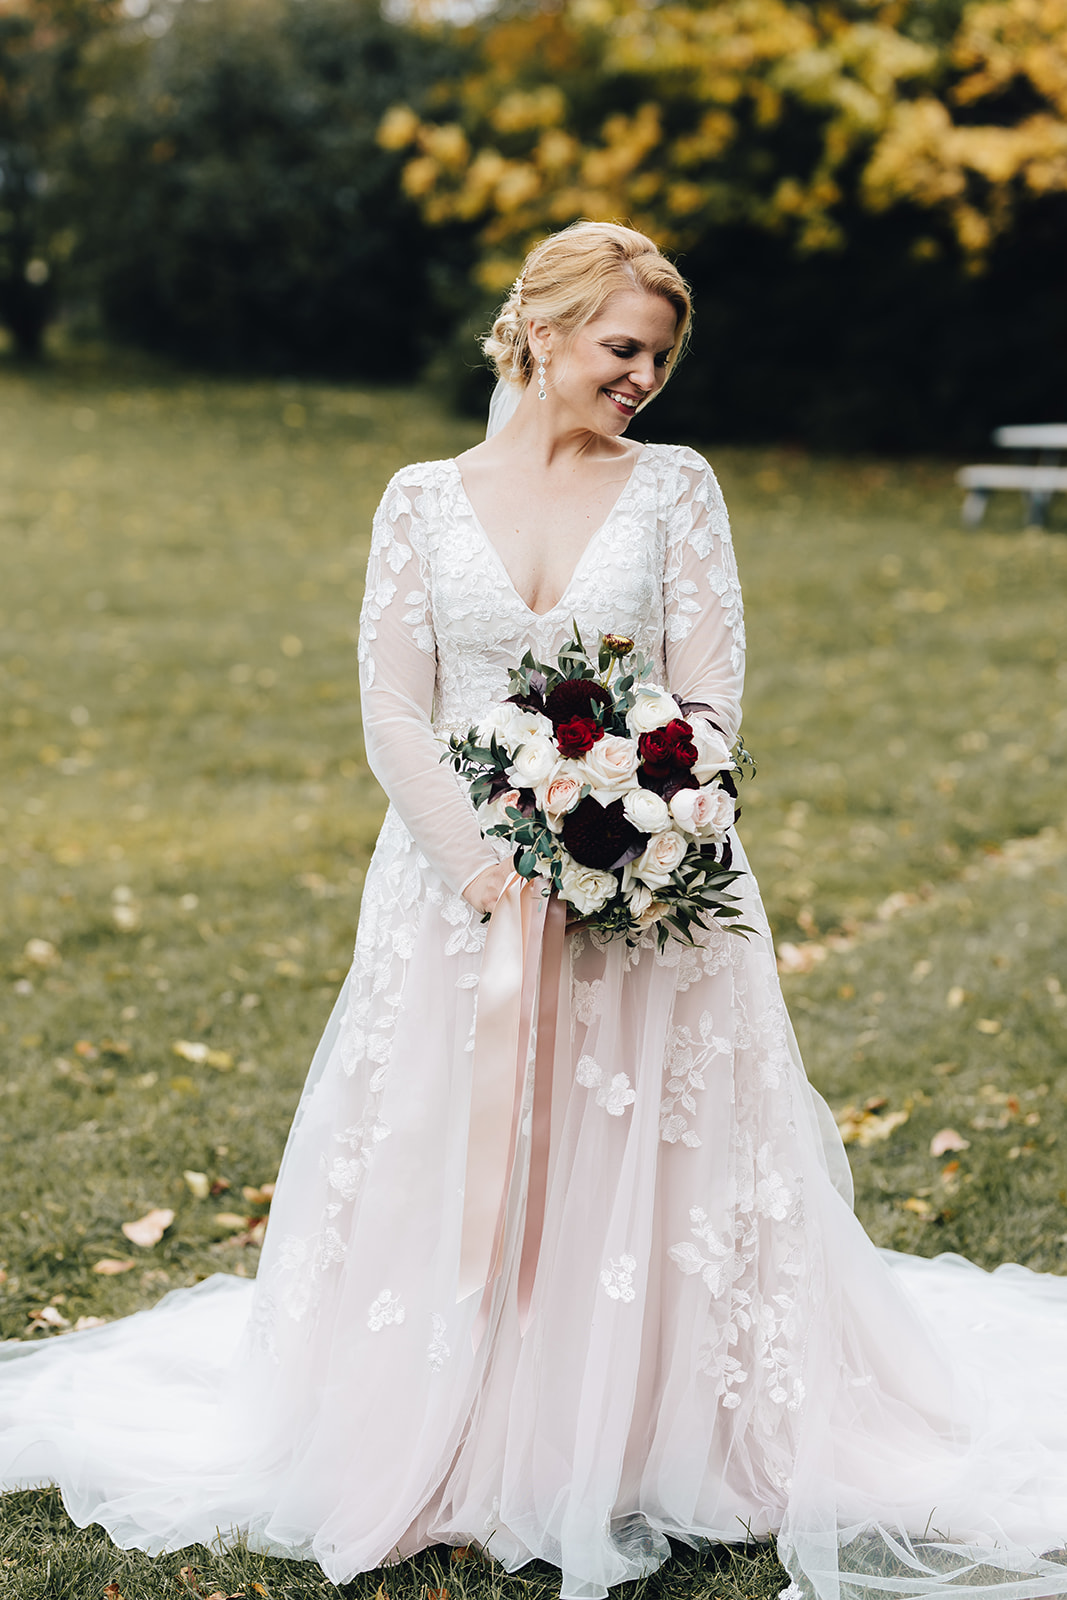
(185, 819)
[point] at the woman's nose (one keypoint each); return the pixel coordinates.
(643, 373)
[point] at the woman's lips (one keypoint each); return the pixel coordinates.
(626, 404)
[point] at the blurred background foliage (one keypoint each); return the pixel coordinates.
(869, 196)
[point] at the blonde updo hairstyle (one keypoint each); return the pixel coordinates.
(569, 278)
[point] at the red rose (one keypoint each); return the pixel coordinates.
(654, 748)
(680, 735)
(578, 735)
(666, 755)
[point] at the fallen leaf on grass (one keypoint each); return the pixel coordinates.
(259, 1197)
(187, 1575)
(115, 1047)
(257, 1588)
(149, 1229)
(47, 1317)
(437, 1594)
(89, 1322)
(793, 958)
(202, 1055)
(220, 1186)
(948, 1139)
(230, 1219)
(867, 1125)
(382, 1592)
(198, 1183)
(988, 1025)
(110, 1267)
(460, 1553)
(921, 1208)
(955, 997)
(895, 903)
(42, 953)
(86, 1049)
(112, 1592)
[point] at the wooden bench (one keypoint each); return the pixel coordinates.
(1037, 482)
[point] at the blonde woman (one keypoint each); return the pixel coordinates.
(712, 1348)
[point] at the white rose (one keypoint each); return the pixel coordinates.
(713, 753)
(662, 855)
(651, 914)
(585, 888)
(703, 812)
(534, 762)
(647, 811)
(653, 707)
(639, 899)
(560, 793)
(611, 764)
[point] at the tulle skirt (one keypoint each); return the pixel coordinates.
(714, 1349)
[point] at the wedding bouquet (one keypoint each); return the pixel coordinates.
(610, 790)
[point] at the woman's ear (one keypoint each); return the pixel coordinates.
(539, 336)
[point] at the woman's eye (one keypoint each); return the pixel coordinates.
(661, 361)
(623, 355)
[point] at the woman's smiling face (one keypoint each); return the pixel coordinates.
(603, 373)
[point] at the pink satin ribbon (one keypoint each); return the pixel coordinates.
(522, 959)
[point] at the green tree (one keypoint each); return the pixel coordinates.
(237, 209)
(43, 45)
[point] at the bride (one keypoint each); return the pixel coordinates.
(713, 1348)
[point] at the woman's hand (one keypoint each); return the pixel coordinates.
(483, 892)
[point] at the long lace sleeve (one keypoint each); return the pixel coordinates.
(397, 669)
(705, 629)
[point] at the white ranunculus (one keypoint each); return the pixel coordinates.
(707, 812)
(663, 854)
(512, 726)
(646, 810)
(653, 707)
(713, 753)
(585, 888)
(534, 762)
(611, 763)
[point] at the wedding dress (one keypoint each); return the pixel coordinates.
(715, 1350)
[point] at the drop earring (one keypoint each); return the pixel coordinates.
(541, 395)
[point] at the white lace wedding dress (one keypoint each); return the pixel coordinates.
(715, 1348)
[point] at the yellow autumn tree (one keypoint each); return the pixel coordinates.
(769, 113)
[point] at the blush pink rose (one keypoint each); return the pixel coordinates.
(612, 762)
(559, 795)
(663, 854)
(703, 812)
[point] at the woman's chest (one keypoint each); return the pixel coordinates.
(615, 586)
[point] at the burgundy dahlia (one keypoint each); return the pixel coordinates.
(597, 836)
(577, 736)
(576, 697)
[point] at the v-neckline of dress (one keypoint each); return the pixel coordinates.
(589, 543)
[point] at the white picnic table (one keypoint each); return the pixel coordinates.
(1038, 481)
